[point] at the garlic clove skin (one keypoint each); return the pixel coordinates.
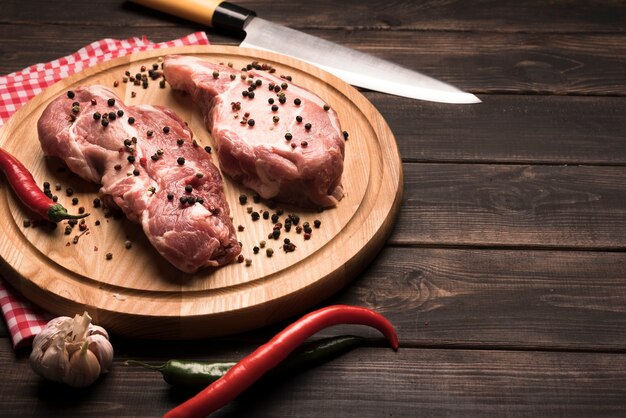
(102, 349)
(98, 330)
(52, 363)
(84, 368)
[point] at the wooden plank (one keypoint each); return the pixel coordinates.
(519, 63)
(532, 300)
(520, 206)
(503, 16)
(368, 382)
(509, 129)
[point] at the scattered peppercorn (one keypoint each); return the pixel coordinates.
(248, 262)
(243, 199)
(282, 100)
(317, 223)
(75, 201)
(297, 102)
(255, 216)
(255, 249)
(188, 188)
(275, 119)
(274, 108)
(166, 129)
(180, 160)
(131, 120)
(70, 94)
(298, 118)
(150, 133)
(270, 101)
(269, 252)
(135, 172)
(326, 107)
(345, 135)
(250, 122)
(105, 123)
(109, 256)
(216, 74)
(131, 159)
(307, 126)
(170, 196)
(120, 113)
(97, 115)
(111, 102)
(207, 149)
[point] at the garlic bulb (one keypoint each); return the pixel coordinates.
(72, 350)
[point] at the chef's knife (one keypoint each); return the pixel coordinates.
(354, 67)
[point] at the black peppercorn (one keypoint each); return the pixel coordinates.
(111, 102)
(180, 160)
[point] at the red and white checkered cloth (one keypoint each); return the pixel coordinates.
(23, 319)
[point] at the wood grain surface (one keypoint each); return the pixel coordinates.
(505, 273)
(137, 293)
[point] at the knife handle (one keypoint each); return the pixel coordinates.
(218, 14)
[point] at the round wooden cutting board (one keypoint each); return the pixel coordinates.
(136, 292)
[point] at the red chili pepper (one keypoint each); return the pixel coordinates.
(254, 366)
(26, 189)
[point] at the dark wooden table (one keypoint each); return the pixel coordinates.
(506, 272)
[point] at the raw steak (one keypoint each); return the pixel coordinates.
(272, 136)
(144, 158)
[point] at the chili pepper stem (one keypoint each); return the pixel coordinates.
(57, 213)
(158, 367)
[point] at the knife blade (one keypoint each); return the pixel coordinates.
(354, 67)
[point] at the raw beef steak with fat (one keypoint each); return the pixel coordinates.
(147, 164)
(274, 137)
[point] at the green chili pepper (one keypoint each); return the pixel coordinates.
(190, 373)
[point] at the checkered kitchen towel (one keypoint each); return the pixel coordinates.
(22, 318)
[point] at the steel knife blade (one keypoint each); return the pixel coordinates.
(354, 67)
